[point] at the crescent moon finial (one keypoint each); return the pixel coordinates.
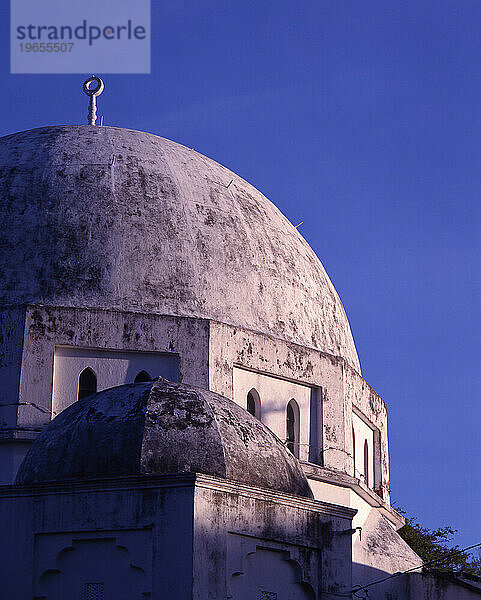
(93, 87)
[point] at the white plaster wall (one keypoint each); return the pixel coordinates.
(431, 586)
(32, 540)
(344, 496)
(334, 494)
(274, 396)
(329, 378)
(363, 400)
(246, 519)
(377, 550)
(48, 328)
(363, 509)
(362, 432)
(11, 456)
(111, 367)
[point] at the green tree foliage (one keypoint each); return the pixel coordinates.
(432, 545)
(476, 562)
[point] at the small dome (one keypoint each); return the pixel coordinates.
(109, 218)
(161, 427)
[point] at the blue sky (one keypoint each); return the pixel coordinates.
(362, 119)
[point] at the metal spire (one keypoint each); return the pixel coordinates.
(93, 87)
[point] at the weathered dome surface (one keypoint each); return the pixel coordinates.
(161, 427)
(103, 217)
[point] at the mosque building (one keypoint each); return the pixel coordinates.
(183, 413)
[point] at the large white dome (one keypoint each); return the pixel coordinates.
(103, 217)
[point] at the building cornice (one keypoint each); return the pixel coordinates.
(233, 487)
(183, 480)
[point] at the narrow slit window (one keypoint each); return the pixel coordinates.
(87, 383)
(366, 463)
(354, 452)
(292, 427)
(142, 377)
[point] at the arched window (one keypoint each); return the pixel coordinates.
(254, 403)
(366, 462)
(87, 383)
(142, 376)
(292, 427)
(354, 452)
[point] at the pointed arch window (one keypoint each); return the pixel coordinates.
(366, 462)
(87, 383)
(254, 403)
(142, 377)
(292, 427)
